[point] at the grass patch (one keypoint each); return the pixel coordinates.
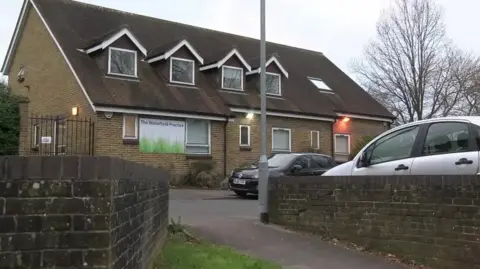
(160, 145)
(183, 251)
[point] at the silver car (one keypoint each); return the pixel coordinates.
(441, 146)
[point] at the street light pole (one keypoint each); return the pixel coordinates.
(263, 164)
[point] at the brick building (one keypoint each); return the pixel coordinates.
(165, 93)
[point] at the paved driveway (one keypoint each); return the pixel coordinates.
(223, 218)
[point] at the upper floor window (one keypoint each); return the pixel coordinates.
(122, 62)
(232, 78)
(320, 84)
(273, 82)
(182, 71)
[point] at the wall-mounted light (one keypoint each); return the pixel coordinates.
(75, 111)
(345, 119)
(249, 116)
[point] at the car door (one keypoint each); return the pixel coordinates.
(390, 154)
(320, 164)
(449, 148)
(304, 162)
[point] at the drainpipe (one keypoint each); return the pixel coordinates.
(225, 148)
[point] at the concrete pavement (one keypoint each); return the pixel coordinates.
(223, 218)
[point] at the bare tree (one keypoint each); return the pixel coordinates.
(412, 67)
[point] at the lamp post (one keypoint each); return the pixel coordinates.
(263, 163)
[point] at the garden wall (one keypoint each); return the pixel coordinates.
(434, 220)
(80, 212)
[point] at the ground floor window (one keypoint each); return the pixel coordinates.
(315, 139)
(342, 147)
(130, 127)
(281, 140)
(198, 137)
(244, 135)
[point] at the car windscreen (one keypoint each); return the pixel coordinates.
(280, 160)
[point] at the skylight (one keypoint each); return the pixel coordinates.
(320, 84)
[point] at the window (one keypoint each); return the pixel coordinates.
(342, 144)
(320, 84)
(198, 137)
(61, 137)
(232, 78)
(273, 83)
(448, 137)
(122, 62)
(244, 135)
(130, 127)
(321, 162)
(303, 161)
(36, 136)
(395, 146)
(315, 139)
(281, 139)
(182, 71)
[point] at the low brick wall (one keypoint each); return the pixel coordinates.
(80, 212)
(434, 220)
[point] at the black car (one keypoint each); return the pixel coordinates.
(245, 180)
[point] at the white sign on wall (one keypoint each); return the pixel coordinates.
(162, 136)
(46, 139)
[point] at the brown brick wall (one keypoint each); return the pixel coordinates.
(109, 142)
(433, 220)
(53, 88)
(80, 212)
(300, 137)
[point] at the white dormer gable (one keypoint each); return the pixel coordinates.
(171, 51)
(108, 41)
(272, 59)
(222, 61)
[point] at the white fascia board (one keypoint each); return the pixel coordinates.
(170, 52)
(355, 116)
(63, 54)
(115, 37)
(225, 59)
(15, 38)
(273, 59)
(159, 113)
(280, 114)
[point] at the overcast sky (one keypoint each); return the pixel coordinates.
(338, 28)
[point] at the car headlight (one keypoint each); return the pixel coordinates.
(255, 177)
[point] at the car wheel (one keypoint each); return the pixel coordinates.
(241, 193)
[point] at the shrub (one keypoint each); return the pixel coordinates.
(362, 142)
(9, 122)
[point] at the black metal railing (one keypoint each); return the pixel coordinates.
(54, 135)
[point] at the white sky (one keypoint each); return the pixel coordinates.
(338, 28)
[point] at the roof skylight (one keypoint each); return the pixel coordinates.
(320, 84)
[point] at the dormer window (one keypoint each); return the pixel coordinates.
(122, 62)
(273, 83)
(232, 78)
(182, 71)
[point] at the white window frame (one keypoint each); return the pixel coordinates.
(241, 77)
(311, 79)
(185, 60)
(318, 139)
(289, 140)
(279, 84)
(110, 61)
(197, 145)
(35, 135)
(240, 136)
(335, 143)
(136, 127)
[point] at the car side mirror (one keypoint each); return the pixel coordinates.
(363, 159)
(296, 167)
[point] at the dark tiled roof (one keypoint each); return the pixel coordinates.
(76, 24)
